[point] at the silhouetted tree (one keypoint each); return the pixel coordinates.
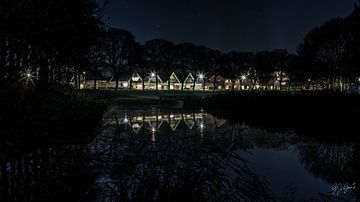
(185, 60)
(328, 49)
(160, 54)
(119, 46)
(96, 60)
(54, 33)
(265, 65)
(214, 59)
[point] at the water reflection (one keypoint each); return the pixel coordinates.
(164, 155)
(172, 157)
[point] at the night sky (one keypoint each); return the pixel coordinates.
(241, 25)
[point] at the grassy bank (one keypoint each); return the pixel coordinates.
(327, 115)
(126, 97)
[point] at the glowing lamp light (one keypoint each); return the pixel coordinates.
(202, 126)
(201, 76)
(28, 75)
(153, 130)
(135, 78)
(126, 120)
(243, 77)
(125, 85)
(152, 74)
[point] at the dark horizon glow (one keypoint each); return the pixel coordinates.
(239, 25)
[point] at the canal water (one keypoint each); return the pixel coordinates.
(154, 153)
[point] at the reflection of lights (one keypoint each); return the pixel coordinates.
(202, 126)
(126, 120)
(84, 72)
(136, 125)
(153, 130)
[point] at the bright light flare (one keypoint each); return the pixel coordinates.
(243, 77)
(28, 76)
(201, 76)
(126, 120)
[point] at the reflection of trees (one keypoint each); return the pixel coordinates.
(335, 163)
(178, 166)
(51, 174)
(331, 162)
(240, 136)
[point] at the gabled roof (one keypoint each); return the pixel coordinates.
(174, 78)
(152, 79)
(164, 77)
(136, 75)
(189, 78)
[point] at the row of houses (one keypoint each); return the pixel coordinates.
(173, 82)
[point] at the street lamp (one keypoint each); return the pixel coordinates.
(201, 76)
(152, 74)
(28, 76)
(243, 77)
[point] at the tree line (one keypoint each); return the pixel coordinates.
(58, 40)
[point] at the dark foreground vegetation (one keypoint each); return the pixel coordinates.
(43, 46)
(50, 114)
(322, 114)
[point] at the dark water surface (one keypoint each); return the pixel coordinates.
(163, 153)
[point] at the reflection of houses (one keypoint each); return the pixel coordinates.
(156, 122)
